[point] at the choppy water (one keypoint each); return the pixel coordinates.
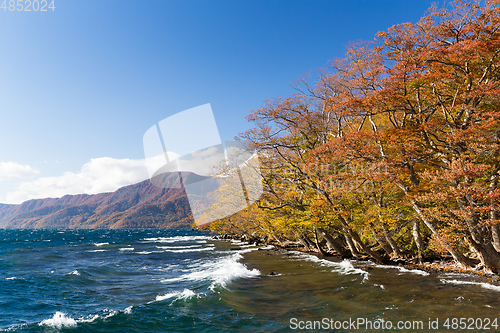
(182, 281)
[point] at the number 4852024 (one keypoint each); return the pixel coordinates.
(27, 5)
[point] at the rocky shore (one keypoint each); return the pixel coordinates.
(444, 264)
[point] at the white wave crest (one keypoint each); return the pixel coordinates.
(181, 278)
(59, 320)
(147, 252)
(166, 296)
(247, 250)
(178, 247)
(127, 249)
(247, 246)
(343, 267)
(110, 313)
(88, 319)
(107, 313)
(191, 250)
(175, 239)
(220, 271)
(186, 293)
(101, 244)
(96, 251)
(482, 284)
(405, 270)
(75, 272)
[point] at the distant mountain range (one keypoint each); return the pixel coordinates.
(141, 205)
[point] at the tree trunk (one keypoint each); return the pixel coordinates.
(495, 235)
(353, 234)
(494, 214)
(418, 239)
(357, 240)
(309, 242)
(486, 254)
(332, 243)
(478, 239)
(323, 252)
(350, 244)
(396, 252)
(457, 256)
(382, 243)
(395, 248)
(305, 242)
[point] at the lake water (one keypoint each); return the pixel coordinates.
(183, 281)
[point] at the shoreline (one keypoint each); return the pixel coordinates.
(435, 267)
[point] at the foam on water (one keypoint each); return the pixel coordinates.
(482, 284)
(59, 320)
(127, 249)
(75, 272)
(96, 251)
(101, 244)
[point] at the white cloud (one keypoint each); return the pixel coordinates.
(12, 170)
(102, 174)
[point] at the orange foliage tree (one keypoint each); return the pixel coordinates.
(400, 134)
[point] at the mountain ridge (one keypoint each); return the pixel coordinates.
(141, 205)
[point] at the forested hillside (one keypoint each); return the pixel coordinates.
(141, 205)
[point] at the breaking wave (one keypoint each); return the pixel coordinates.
(481, 284)
(343, 267)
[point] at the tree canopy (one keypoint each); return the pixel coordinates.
(394, 151)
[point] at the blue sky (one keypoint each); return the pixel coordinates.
(80, 85)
